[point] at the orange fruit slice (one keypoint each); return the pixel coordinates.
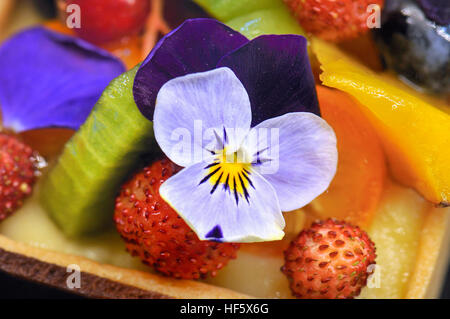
(355, 191)
(414, 128)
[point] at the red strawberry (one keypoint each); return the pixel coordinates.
(153, 231)
(330, 260)
(17, 174)
(333, 20)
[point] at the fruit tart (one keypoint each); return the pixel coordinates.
(226, 149)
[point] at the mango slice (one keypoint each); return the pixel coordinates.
(356, 189)
(414, 133)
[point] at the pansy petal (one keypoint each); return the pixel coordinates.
(276, 72)
(217, 213)
(195, 46)
(198, 114)
(297, 154)
(51, 80)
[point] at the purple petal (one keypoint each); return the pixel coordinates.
(51, 80)
(194, 113)
(296, 153)
(195, 46)
(437, 10)
(276, 72)
(219, 213)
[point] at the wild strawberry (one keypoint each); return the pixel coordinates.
(330, 260)
(153, 231)
(334, 20)
(17, 174)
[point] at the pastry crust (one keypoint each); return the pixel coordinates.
(99, 280)
(107, 281)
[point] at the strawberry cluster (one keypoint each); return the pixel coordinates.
(153, 231)
(334, 20)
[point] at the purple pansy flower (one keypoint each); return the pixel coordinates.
(242, 118)
(48, 79)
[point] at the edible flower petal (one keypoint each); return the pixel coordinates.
(197, 45)
(214, 213)
(230, 191)
(276, 72)
(274, 69)
(192, 105)
(302, 164)
(48, 79)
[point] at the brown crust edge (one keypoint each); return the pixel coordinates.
(100, 280)
(92, 286)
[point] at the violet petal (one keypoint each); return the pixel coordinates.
(300, 162)
(195, 46)
(48, 79)
(254, 217)
(277, 75)
(196, 111)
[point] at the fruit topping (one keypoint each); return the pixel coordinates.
(153, 231)
(356, 189)
(415, 135)
(225, 10)
(414, 46)
(254, 18)
(17, 173)
(330, 260)
(101, 154)
(105, 20)
(334, 20)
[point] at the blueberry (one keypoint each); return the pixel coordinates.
(417, 48)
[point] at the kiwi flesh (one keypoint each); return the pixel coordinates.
(79, 191)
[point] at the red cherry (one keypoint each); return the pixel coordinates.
(105, 20)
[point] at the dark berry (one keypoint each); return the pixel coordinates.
(415, 47)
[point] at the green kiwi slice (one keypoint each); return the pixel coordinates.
(253, 18)
(79, 191)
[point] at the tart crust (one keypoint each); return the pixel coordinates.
(107, 281)
(99, 280)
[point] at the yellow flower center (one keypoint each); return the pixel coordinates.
(231, 170)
